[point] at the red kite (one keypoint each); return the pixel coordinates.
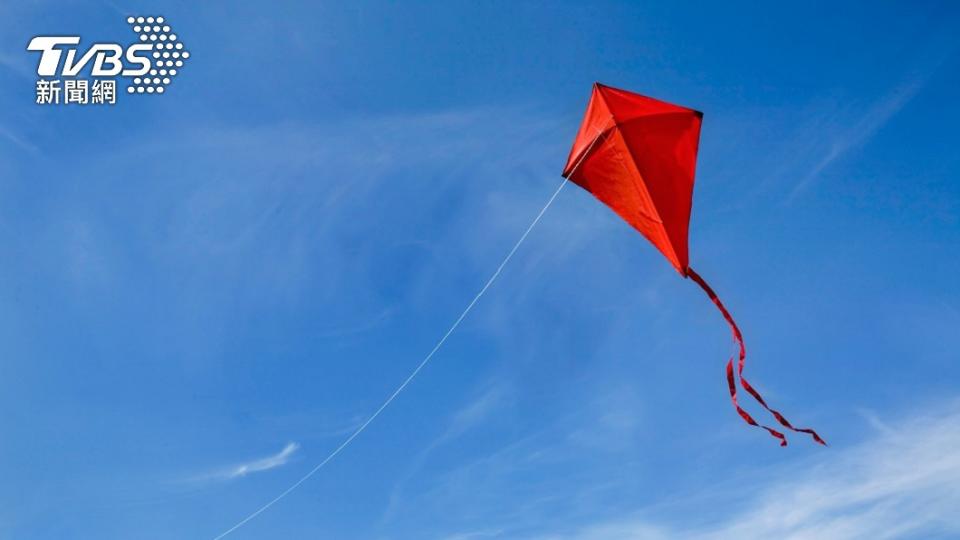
(638, 156)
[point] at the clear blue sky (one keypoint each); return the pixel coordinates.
(201, 293)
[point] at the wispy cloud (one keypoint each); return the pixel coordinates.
(835, 131)
(494, 398)
(16, 139)
(501, 490)
(855, 134)
(267, 463)
(474, 535)
(899, 484)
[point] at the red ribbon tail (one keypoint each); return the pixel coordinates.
(776, 414)
(731, 383)
(744, 414)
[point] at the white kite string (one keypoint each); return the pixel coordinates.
(410, 378)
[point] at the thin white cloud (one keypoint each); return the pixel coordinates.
(17, 140)
(494, 398)
(265, 464)
(474, 535)
(501, 490)
(838, 130)
(902, 483)
(856, 134)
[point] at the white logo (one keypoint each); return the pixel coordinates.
(149, 65)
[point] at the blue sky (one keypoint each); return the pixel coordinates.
(203, 293)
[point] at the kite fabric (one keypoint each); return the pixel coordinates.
(638, 156)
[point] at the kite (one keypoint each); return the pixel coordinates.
(638, 155)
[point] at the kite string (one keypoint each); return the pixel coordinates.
(409, 378)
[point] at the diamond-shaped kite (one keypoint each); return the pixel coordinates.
(638, 156)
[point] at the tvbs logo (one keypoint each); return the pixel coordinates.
(148, 66)
(107, 57)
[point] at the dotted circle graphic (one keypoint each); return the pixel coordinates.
(167, 52)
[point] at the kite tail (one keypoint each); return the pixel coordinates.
(743, 382)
